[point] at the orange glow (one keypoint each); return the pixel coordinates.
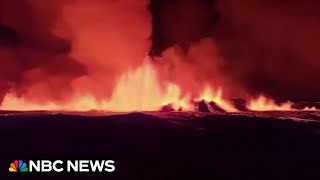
(85, 103)
(209, 95)
(264, 104)
(137, 90)
(310, 109)
(141, 90)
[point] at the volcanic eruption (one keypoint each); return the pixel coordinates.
(173, 89)
(95, 55)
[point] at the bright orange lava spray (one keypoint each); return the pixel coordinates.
(141, 90)
(136, 90)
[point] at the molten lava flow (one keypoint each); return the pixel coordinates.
(141, 90)
(137, 90)
(310, 109)
(12, 102)
(264, 104)
(209, 95)
(84, 103)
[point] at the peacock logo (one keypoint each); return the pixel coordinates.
(18, 166)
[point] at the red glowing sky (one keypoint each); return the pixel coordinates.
(55, 50)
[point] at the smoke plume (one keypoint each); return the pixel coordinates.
(272, 46)
(51, 48)
(267, 47)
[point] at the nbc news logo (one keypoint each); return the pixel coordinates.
(59, 166)
(18, 166)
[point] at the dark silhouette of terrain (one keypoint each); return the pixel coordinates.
(165, 145)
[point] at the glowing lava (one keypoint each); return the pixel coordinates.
(264, 104)
(137, 90)
(141, 90)
(209, 95)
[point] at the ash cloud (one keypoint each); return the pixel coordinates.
(268, 47)
(51, 50)
(32, 57)
(183, 37)
(272, 46)
(108, 37)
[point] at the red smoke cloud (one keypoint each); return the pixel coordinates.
(108, 38)
(33, 56)
(55, 50)
(268, 47)
(71, 46)
(272, 46)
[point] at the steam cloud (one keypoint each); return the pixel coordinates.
(272, 46)
(269, 47)
(56, 47)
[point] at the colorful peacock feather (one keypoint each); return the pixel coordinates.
(18, 166)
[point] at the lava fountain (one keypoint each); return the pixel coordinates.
(141, 90)
(135, 90)
(104, 47)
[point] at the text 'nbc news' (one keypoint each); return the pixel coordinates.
(63, 166)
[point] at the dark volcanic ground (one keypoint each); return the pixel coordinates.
(271, 145)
